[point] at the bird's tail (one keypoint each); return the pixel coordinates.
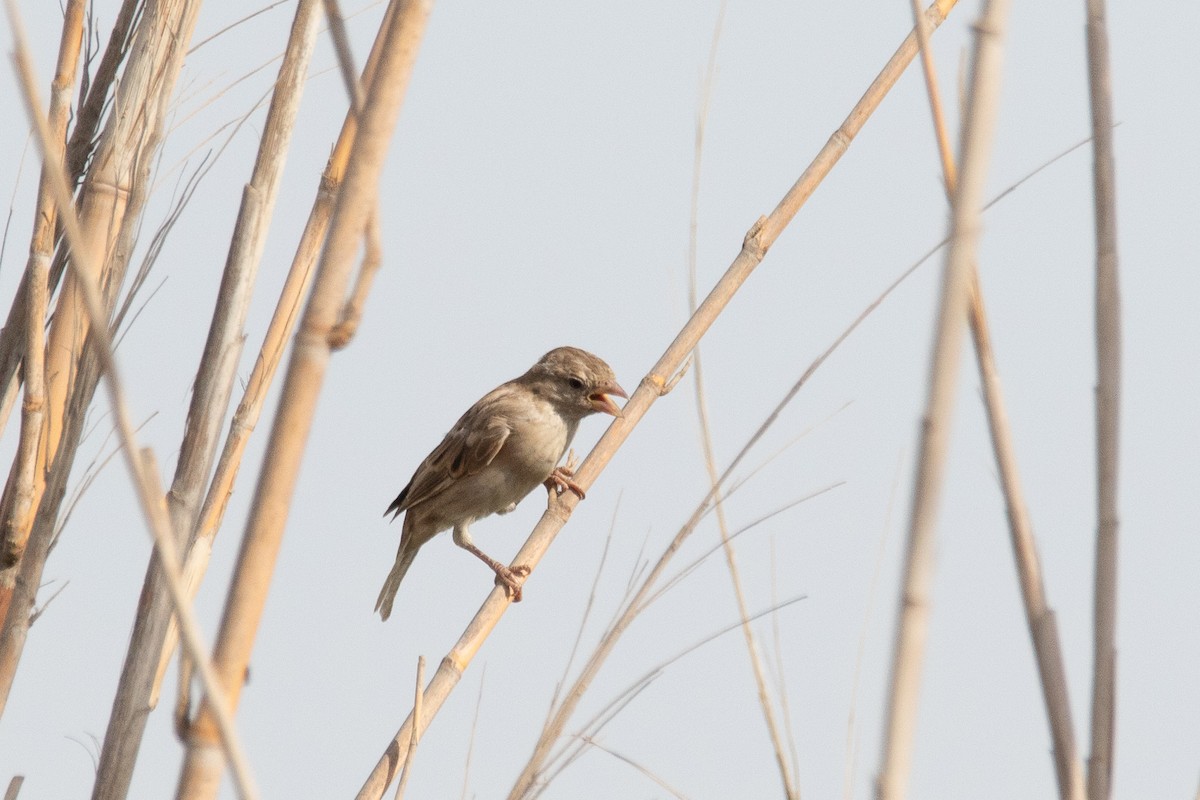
(404, 560)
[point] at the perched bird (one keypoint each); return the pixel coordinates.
(497, 453)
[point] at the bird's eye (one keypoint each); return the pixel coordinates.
(575, 383)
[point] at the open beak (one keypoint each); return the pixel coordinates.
(601, 400)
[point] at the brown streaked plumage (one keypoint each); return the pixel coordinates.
(506, 444)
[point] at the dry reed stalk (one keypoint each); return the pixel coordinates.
(1108, 407)
(78, 150)
(14, 787)
(913, 612)
(32, 300)
(142, 467)
(204, 762)
(210, 398)
(1043, 628)
(758, 240)
(120, 160)
(279, 332)
(787, 771)
(110, 203)
(641, 598)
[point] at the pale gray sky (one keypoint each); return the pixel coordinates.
(537, 195)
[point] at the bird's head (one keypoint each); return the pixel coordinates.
(577, 382)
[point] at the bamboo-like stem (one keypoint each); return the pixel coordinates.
(76, 155)
(32, 299)
(650, 589)
(760, 237)
(913, 611)
(1039, 616)
(135, 697)
(120, 160)
(203, 763)
(279, 332)
(1043, 626)
(142, 468)
(1108, 408)
(111, 201)
(786, 770)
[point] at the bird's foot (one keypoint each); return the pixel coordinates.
(511, 578)
(560, 481)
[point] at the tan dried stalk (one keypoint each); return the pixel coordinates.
(87, 120)
(787, 771)
(204, 761)
(121, 158)
(142, 468)
(210, 399)
(279, 332)
(1108, 407)
(913, 611)
(33, 299)
(1039, 616)
(532, 781)
(760, 237)
(110, 203)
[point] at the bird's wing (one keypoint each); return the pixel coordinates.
(469, 447)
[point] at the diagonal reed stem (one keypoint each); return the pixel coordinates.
(758, 240)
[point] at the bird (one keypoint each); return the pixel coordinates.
(498, 452)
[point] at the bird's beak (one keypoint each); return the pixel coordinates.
(602, 402)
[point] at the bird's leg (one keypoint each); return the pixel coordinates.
(511, 577)
(560, 479)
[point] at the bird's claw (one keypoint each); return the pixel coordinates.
(560, 481)
(511, 578)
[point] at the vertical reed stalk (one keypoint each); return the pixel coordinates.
(142, 468)
(1108, 408)
(204, 761)
(110, 202)
(32, 299)
(1039, 616)
(913, 611)
(210, 399)
(279, 332)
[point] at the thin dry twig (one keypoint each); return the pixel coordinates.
(913, 610)
(1108, 407)
(757, 241)
(787, 770)
(868, 613)
(636, 765)
(471, 738)
(566, 755)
